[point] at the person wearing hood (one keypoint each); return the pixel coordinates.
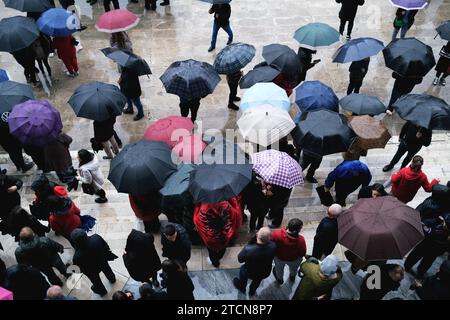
(140, 257)
(19, 218)
(90, 176)
(41, 253)
(178, 284)
(91, 256)
(347, 14)
(436, 205)
(175, 242)
(146, 207)
(390, 277)
(408, 181)
(436, 287)
(318, 279)
(348, 177)
(9, 195)
(26, 282)
(58, 158)
(291, 248)
(374, 191)
(64, 215)
(326, 236)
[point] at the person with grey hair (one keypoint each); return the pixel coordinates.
(257, 257)
(56, 293)
(326, 236)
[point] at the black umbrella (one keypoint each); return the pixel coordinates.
(283, 58)
(141, 167)
(261, 74)
(12, 93)
(175, 192)
(17, 33)
(97, 101)
(424, 110)
(29, 5)
(222, 151)
(323, 132)
(216, 1)
(409, 57)
(361, 104)
(214, 183)
(444, 30)
(128, 60)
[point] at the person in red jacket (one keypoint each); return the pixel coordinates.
(291, 248)
(408, 181)
(65, 46)
(64, 214)
(146, 208)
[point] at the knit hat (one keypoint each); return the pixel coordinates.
(329, 265)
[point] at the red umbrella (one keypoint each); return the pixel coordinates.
(169, 130)
(190, 148)
(116, 21)
(380, 228)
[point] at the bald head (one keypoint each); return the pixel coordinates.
(55, 293)
(26, 234)
(263, 235)
(334, 210)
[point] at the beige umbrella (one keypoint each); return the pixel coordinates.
(372, 134)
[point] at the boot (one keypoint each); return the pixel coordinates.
(164, 3)
(443, 82)
(232, 106)
(27, 166)
(436, 81)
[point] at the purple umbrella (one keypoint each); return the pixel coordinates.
(35, 123)
(409, 4)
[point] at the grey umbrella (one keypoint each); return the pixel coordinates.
(97, 101)
(361, 104)
(128, 60)
(141, 167)
(175, 191)
(261, 74)
(12, 93)
(17, 33)
(283, 58)
(29, 5)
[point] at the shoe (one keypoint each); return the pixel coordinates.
(101, 200)
(100, 293)
(128, 111)
(106, 158)
(238, 286)
(237, 99)
(272, 226)
(155, 283)
(280, 281)
(134, 1)
(292, 278)
(348, 37)
(232, 106)
(268, 218)
(216, 264)
(436, 81)
(311, 179)
(27, 166)
(211, 49)
(72, 75)
(387, 168)
(165, 3)
(138, 117)
(443, 82)
(230, 41)
(112, 280)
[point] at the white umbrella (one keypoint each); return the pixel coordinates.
(265, 125)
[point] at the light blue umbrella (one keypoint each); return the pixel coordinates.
(58, 22)
(265, 93)
(314, 95)
(4, 76)
(316, 35)
(234, 57)
(358, 49)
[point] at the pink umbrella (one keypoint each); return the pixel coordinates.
(116, 21)
(169, 130)
(190, 148)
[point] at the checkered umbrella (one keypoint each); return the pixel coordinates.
(277, 168)
(190, 79)
(234, 57)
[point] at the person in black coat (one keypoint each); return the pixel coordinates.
(104, 133)
(402, 86)
(436, 287)
(9, 195)
(257, 257)
(19, 218)
(412, 138)
(14, 149)
(175, 242)
(358, 70)
(178, 284)
(436, 205)
(313, 161)
(43, 189)
(305, 57)
(255, 201)
(26, 283)
(147, 292)
(391, 276)
(222, 13)
(26, 57)
(348, 13)
(131, 88)
(140, 258)
(91, 256)
(326, 236)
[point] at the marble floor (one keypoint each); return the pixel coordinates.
(182, 31)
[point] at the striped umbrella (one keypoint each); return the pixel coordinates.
(409, 4)
(234, 57)
(316, 35)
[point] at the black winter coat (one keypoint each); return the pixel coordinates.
(349, 8)
(39, 252)
(409, 132)
(129, 84)
(179, 286)
(327, 234)
(141, 258)
(17, 219)
(8, 200)
(180, 249)
(26, 283)
(437, 204)
(222, 14)
(405, 84)
(258, 259)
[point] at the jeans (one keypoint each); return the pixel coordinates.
(215, 31)
(137, 102)
(402, 149)
(243, 279)
(293, 267)
(402, 30)
(106, 4)
(349, 27)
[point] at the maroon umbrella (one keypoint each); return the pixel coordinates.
(380, 228)
(35, 123)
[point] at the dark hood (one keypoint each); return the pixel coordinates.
(79, 238)
(138, 241)
(40, 184)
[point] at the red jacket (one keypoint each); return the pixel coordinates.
(64, 223)
(144, 207)
(407, 182)
(282, 82)
(289, 248)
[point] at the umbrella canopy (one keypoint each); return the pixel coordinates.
(214, 183)
(372, 134)
(260, 74)
(190, 148)
(12, 93)
(35, 123)
(361, 104)
(141, 167)
(217, 1)
(314, 95)
(409, 4)
(116, 21)
(444, 30)
(358, 49)
(28, 5)
(190, 79)
(4, 75)
(380, 228)
(175, 192)
(323, 132)
(316, 35)
(265, 125)
(424, 111)
(17, 33)
(283, 58)
(234, 57)
(277, 168)
(409, 57)
(222, 151)
(97, 101)
(169, 130)
(58, 22)
(128, 60)
(265, 93)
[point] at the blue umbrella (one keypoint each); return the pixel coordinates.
(316, 35)
(265, 93)
(357, 49)
(4, 76)
(58, 22)
(314, 95)
(234, 57)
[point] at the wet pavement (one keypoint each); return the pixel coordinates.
(182, 31)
